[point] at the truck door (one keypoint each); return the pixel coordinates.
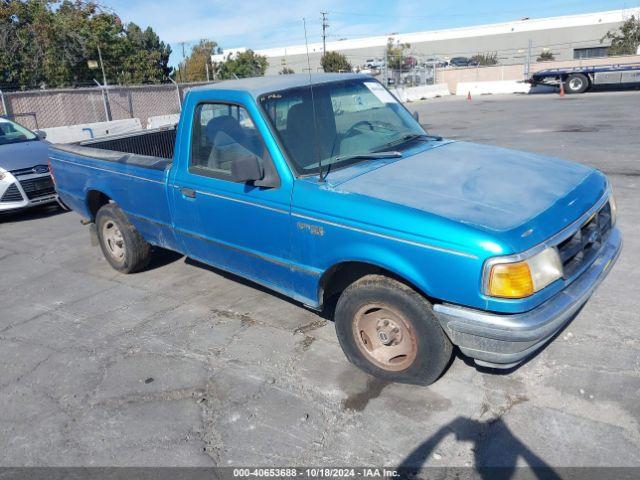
(238, 227)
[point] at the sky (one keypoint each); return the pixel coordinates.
(260, 24)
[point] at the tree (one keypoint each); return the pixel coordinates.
(396, 54)
(242, 65)
(335, 62)
(286, 71)
(194, 67)
(146, 58)
(546, 56)
(486, 59)
(625, 40)
(48, 43)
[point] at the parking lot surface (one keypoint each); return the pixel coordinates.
(184, 365)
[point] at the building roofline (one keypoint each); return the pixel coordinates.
(533, 24)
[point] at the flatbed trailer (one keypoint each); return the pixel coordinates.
(581, 79)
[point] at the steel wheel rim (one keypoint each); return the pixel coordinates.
(575, 84)
(113, 240)
(385, 337)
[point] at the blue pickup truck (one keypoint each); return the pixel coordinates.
(326, 189)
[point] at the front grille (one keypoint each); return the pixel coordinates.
(11, 194)
(31, 170)
(38, 187)
(582, 247)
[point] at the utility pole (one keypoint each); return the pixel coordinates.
(184, 66)
(325, 25)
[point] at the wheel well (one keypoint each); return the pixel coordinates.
(96, 200)
(340, 276)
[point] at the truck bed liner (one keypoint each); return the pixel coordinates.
(144, 161)
(151, 149)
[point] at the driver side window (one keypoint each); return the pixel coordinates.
(222, 133)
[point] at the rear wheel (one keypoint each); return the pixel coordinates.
(576, 83)
(122, 245)
(389, 330)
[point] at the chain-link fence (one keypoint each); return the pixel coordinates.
(61, 107)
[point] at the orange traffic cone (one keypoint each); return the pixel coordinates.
(561, 88)
(469, 96)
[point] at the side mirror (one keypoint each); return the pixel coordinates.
(42, 135)
(247, 168)
(416, 116)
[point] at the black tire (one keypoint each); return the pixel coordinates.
(135, 251)
(576, 83)
(431, 347)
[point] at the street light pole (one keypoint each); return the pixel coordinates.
(105, 93)
(177, 92)
(104, 76)
(105, 101)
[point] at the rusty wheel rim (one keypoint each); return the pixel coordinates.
(385, 337)
(113, 240)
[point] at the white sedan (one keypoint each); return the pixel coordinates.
(25, 180)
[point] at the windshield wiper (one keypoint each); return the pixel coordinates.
(423, 136)
(389, 154)
(414, 136)
(356, 156)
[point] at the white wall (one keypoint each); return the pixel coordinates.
(86, 131)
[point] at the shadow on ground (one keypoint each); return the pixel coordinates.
(495, 448)
(34, 213)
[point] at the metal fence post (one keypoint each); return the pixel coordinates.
(527, 65)
(4, 104)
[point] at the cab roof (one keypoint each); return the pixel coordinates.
(258, 86)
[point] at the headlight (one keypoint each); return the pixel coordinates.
(613, 206)
(3, 173)
(524, 278)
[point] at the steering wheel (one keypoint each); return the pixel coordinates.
(353, 127)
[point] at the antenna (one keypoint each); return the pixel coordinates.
(313, 105)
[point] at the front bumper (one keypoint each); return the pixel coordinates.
(24, 191)
(503, 341)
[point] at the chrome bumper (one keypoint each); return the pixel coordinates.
(503, 341)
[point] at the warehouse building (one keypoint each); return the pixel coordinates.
(566, 38)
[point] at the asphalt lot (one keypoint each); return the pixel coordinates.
(183, 365)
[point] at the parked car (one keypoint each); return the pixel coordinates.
(462, 62)
(373, 63)
(435, 61)
(24, 172)
(417, 243)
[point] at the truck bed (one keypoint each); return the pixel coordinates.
(151, 149)
(131, 168)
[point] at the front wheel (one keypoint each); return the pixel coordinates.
(389, 330)
(122, 245)
(576, 83)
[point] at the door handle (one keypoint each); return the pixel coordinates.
(188, 192)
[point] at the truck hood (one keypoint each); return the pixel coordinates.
(494, 189)
(15, 156)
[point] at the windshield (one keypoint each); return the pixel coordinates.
(11, 132)
(353, 118)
